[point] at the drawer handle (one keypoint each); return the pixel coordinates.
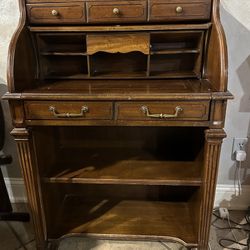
(84, 110)
(116, 11)
(146, 111)
(179, 9)
(54, 13)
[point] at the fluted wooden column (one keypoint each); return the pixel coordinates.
(31, 178)
(214, 138)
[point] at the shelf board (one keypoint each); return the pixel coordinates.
(63, 53)
(122, 166)
(119, 74)
(124, 219)
(175, 51)
(173, 74)
(73, 76)
(121, 89)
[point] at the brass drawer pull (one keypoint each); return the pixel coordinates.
(146, 111)
(116, 11)
(84, 110)
(54, 13)
(179, 9)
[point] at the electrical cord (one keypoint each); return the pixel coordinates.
(230, 227)
(239, 177)
(237, 228)
(229, 224)
(232, 221)
(233, 242)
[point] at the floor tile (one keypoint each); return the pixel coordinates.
(91, 244)
(31, 246)
(7, 238)
(24, 231)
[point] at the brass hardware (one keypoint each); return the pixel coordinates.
(146, 111)
(54, 12)
(84, 110)
(116, 11)
(179, 9)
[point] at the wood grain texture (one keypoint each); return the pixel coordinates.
(126, 219)
(213, 143)
(31, 178)
(41, 110)
(21, 63)
(128, 28)
(128, 11)
(17, 113)
(216, 62)
(122, 43)
(136, 166)
(191, 10)
(190, 110)
(72, 13)
(174, 89)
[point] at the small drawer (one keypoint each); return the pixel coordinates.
(163, 111)
(116, 12)
(179, 10)
(39, 110)
(56, 13)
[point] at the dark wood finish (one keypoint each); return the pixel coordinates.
(214, 139)
(163, 27)
(135, 166)
(41, 110)
(188, 10)
(216, 62)
(190, 110)
(119, 126)
(116, 11)
(56, 13)
(163, 221)
(31, 178)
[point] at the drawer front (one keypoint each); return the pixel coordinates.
(163, 111)
(116, 12)
(38, 110)
(56, 13)
(179, 10)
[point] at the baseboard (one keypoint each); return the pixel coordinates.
(227, 197)
(16, 189)
(225, 194)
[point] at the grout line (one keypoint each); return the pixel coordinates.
(16, 235)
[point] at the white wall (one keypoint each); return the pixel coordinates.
(9, 14)
(238, 111)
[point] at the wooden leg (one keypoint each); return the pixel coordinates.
(32, 184)
(53, 245)
(214, 139)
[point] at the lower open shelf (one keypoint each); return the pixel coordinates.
(122, 166)
(125, 219)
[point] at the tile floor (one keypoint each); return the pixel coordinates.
(20, 236)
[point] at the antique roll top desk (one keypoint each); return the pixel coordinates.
(118, 110)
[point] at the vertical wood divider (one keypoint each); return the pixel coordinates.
(214, 138)
(31, 177)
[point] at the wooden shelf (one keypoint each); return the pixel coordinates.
(175, 51)
(122, 166)
(176, 74)
(147, 89)
(73, 76)
(124, 219)
(118, 75)
(63, 53)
